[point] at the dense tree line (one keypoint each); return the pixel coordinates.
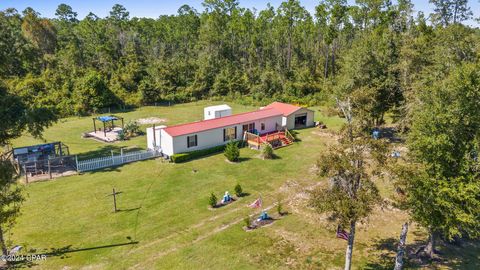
(375, 51)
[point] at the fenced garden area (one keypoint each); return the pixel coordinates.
(164, 221)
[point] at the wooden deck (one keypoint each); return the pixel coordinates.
(276, 139)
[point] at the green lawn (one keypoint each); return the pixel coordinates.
(69, 130)
(165, 222)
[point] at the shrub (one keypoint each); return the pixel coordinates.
(178, 158)
(279, 207)
(267, 151)
(121, 135)
(232, 152)
(212, 201)
(238, 190)
(247, 221)
(131, 129)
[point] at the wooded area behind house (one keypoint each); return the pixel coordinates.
(380, 54)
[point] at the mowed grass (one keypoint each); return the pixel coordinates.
(165, 223)
(69, 130)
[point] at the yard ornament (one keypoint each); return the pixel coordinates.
(257, 203)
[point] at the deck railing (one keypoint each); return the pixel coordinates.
(289, 135)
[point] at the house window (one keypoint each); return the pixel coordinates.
(229, 134)
(262, 126)
(191, 141)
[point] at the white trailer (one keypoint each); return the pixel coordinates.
(218, 111)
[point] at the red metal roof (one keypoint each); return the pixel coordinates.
(285, 108)
(189, 128)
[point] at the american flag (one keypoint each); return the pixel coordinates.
(342, 233)
(257, 203)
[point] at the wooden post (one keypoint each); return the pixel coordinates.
(114, 201)
(26, 174)
(114, 194)
(49, 169)
(76, 161)
(121, 154)
(94, 126)
(154, 138)
(104, 131)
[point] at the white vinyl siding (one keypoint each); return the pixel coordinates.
(214, 137)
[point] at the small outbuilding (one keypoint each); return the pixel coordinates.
(217, 111)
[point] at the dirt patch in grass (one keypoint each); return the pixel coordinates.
(151, 120)
(326, 134)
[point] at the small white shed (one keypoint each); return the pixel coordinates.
(154, 137)
(218, 111)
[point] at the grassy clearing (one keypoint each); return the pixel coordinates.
(165, 222)
(69, 130)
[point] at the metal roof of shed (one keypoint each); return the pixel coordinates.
(218, 108)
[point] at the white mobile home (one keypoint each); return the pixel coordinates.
(220, 130)
(209, 133)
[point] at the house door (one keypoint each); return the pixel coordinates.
(244, 128)
(248, 127)
(251, 128)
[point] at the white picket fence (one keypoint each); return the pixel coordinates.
(114, 160)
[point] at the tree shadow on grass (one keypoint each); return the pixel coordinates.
(465, 254)
(462, 254)
(243, 159)
(386, 259)
(391, 134)
(64, 251)
(20, 265)
(129, 209)
(275, 157)
(244, 194)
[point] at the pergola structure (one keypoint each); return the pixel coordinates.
(106, 119)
